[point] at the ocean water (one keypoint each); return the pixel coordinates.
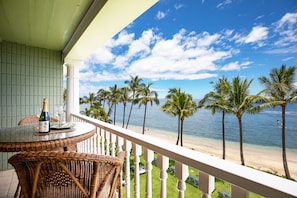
(258, 129)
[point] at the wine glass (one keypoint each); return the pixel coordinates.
(59, 113)
(38, 111)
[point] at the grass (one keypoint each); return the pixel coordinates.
(172, 192)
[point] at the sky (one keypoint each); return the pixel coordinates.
(188, 44)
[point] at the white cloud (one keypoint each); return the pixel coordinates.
(286, 28)
(235, 66)
(101, 56)
(124, 38)
(160, 15)
(288, 19)
(151, 56)
(257, 35)
(224, 3)
(259, 17)
(207, 39)
(282, 50)
(86, 88)
(121, 62)
(138, 46)
(178, 6)
(186, 57)
(288, 58)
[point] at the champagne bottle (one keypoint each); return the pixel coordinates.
(44, 118)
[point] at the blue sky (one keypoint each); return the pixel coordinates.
(189, 43)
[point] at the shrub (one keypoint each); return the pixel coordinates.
(224, 194)
(193, 181)
(171, 170)
(154, 162)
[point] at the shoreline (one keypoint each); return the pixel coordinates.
(271, 157)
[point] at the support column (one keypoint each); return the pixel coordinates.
(72, 105)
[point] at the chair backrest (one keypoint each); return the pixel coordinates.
(32, 119)
(68, 174)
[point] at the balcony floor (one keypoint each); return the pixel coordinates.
(8, 183)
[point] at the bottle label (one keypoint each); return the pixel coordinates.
(44, 126)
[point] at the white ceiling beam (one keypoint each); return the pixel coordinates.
(111, 19)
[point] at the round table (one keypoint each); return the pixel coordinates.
(24, 138)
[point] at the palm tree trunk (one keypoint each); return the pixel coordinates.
(178, 130)
(109, 110)
(129, 115)
(124, 112)
(144, 117)
(114, 114)
(286, 168)
(223, 134)
(241, 141)
(181, 132)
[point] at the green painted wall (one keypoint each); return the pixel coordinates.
(27, 75)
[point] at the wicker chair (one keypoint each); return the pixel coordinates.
(32, 119)
(68, 174)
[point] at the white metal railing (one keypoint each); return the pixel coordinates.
(243, 179)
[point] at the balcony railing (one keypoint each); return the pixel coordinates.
(242, 179)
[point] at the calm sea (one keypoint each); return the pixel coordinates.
(258, 129)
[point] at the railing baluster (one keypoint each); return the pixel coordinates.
(120, 143)
(128, 147)
(113, 140)
(98, 139)
(92, 143)
(181, 172)
(107, 142)
(148, 157)
(137, 152)
(239, 192)
(206, 184)
(102, 141)
(163, 163)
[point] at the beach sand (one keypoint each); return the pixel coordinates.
(259, 157)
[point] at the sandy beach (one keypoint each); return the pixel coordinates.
(259, 157)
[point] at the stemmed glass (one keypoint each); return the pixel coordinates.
(59, 113)
(38, 111)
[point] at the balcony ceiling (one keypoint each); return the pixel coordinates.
(76, 27)
(46, 23)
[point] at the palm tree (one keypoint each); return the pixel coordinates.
(87, 111)
(281, 91)
(124, 98)
(81, 101)
(179, 104)
(171, 107)
(239, 102)
(91, 99)
(133, 85)
(214, 100)
(144, 96)
(114, 96)
(103, 115)
(102, 95)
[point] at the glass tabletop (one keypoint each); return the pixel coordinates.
(27, 133)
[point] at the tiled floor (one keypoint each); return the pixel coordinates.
(8, 183)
